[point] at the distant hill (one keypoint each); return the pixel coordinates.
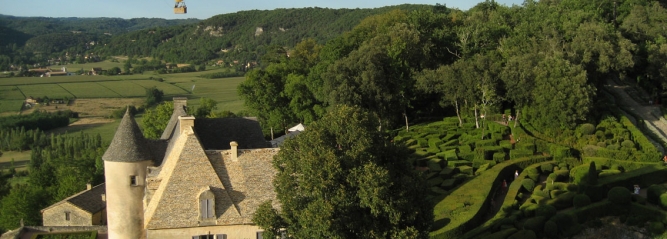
(36, 26)
(242, 36)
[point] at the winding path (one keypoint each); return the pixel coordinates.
(649, 113)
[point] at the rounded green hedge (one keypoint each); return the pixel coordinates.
(586, 129)
(532, 173)
(564, 221)
(620, 195)
(547, 168)
(656, 228)
(523, 234)
(581, 200)
(544, 210)
(663, 200)
(528, 184)
(535, 224)
(628, 144)
(550, 229)
(653, 193)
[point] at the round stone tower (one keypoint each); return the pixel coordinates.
(125, 165)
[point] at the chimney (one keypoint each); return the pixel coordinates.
(180, 102)
(104, 197)
(186, 122)
(235, 151)
(89, 186)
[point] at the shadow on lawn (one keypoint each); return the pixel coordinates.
(440, 224)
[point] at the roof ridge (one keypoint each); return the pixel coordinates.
(67, 199)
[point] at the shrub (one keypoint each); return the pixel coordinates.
(542, 193)
(656, 228)
(562, 201)
(528, 209)
(532, 173)
(592, 174)
(503, 234)
(564, 221)
(547, 168)
(519, 153)
(628, 144)
(581, 200)
(653, 193)
(499, 157)
(550, 229)
(528, 184)
(523, 234)
(544, 210)
(619, 195)
(586, 129)
(602, 144)
(608, 172)
(555, 193)
(663, 200)
(579, 174)
(535, 224)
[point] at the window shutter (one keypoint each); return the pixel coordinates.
(209, 207)
(259, 235)
(195, 237)
(202, 208)
(221, 236)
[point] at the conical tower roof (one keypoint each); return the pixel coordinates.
(128, 144)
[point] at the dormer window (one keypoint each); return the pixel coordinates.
(207, 205)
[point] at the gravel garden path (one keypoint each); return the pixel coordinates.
(649, 113)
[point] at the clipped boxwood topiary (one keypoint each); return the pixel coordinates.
(551, 229)
(523, 234)
(546, 211)
(532, 173)
(619, 195)
(628, 144)
(535, 224)
(547, 168)
(581, 200)
(653, 193)
(663, 200)
(564, 221)
(656, 228)
(528, 184)
(586, 129)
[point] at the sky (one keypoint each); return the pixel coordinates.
(201, 9)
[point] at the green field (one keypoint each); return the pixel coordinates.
(7, 156)
(167, 88)
(222, 91)
(10, 105)
(53, 91)
(89, 90)
(125, 89)
(10, 93)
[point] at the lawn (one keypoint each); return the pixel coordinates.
(89, 90)
(7, 106)
(124, 88)
(11, 93)
(168, 89)
(41, 90)
(51, 80)
(221, 90)
(7, 156)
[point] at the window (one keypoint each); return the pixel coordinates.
(221, 236)
(259, 235)
(203, 237)
(133, 180)
(206, 208)
(66, 216)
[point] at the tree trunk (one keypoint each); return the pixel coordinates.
(476, 120)
(516, 119)
(407, 126)
(271, 133)
(456, 103)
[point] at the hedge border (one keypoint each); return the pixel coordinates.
(471, 213)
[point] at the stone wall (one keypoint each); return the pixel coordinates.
(55, 216)
(232, 232)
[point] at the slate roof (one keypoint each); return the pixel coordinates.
(277, 142)
(217, 133)
(239, 186)
(179, 110)
(128, 144)
(87, 200)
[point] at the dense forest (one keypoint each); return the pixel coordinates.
(240, 37)
(35, 40)
(545, 59)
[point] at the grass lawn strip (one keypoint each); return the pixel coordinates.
(89, 90)
(53, 91)
(124, 88)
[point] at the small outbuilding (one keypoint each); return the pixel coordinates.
(86, 208)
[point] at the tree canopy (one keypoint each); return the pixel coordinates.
(342, 178)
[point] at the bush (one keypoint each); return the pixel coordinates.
(628, 144)
(528, 184)
(619, 195)
(550, 229)
(663, 200)
(535, 224)
(581, 200)
(653, 193)
(523, 234)
(586, 129)
(532, 173)
(546, 211)
(564, 221)
(579, 174)
(519, 153)
(547, 168)
(656, 228)
(499, 157)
